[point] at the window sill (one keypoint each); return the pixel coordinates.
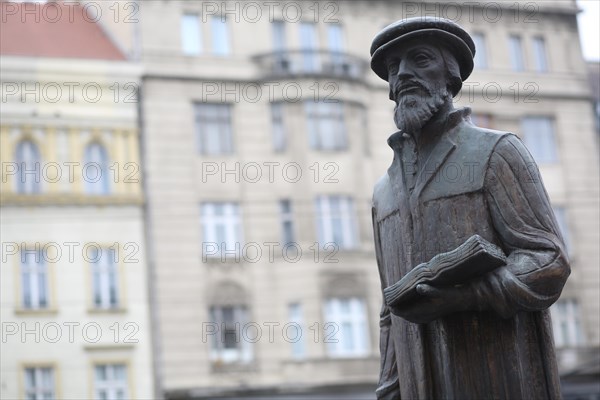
(36, 311)
(117, 310)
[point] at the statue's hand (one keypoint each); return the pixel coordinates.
(436, 302)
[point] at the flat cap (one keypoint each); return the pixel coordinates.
(430, 29)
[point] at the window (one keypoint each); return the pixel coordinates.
(480, 50)
(335, 39)
(566, 323)
(110, 382)
(561, 218)
(325, 122)
(346, 320)
(213, 127)
(282, 63)
(220, 35)
(538, 135)
(336, 221)
(277, 125)
(308, 43)
(191, 39)
(278, 28)
(539, 54)
(34, 279)
(231, 344)
(294, 330)
(28, 160)
(287, 222)
(221, 229)
(95, 170)
(104, 277)
(39, 383)
(516, 53)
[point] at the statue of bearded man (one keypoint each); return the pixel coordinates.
(485, 337)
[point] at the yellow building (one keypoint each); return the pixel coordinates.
(74, 298)
(264, 133)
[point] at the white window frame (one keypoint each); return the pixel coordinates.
(35, 286)
(336, 221)
(214, 130)
(105, 279)
(309, 44)
(219, 28)
(278, 126)
(481, 57)
(566, 323)
(221, 226)
(295, 329)
(287, 222)
(114, 382)
(242, 353)
(191, 34)
(540, 138)
(326, 125)
(27, 156)
(540, 54)
(44, 386)
(517, 58)
(97, 162)
(346, 327)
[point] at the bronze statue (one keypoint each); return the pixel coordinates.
(480, 334)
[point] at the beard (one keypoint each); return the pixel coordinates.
(414, 110)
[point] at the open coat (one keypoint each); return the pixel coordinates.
(476, 181)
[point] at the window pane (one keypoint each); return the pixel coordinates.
(336, 221)
(538, 135)
(191, 43)
(95, 170)
(28, 159)
(220, 35)
(516, 53)
(279, 139)
(278, 28)
(213, 128)
(480, 50)
(348, 316)
(308, 43)
(539, 54)
(325, 124)
(221, 224)
(335, 37)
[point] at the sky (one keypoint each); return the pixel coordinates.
(589, 28)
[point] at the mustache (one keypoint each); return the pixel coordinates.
(409, 85)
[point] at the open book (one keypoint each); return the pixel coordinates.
(473, 258)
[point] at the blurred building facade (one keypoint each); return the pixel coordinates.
(264, 133)
(75, 311)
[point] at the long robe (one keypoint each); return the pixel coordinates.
(476, 181)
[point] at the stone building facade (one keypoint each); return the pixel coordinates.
(264, 132)
(75, 308)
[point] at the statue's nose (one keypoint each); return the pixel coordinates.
(404, 71)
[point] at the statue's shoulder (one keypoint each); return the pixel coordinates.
(472, 138)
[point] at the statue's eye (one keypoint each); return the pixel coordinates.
(393, 67)
(421, 59)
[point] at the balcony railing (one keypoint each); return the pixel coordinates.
(311, 62)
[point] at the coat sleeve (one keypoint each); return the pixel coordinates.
(388, 387)
(537, 266)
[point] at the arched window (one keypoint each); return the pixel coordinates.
(28, 168)
(95, 169)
